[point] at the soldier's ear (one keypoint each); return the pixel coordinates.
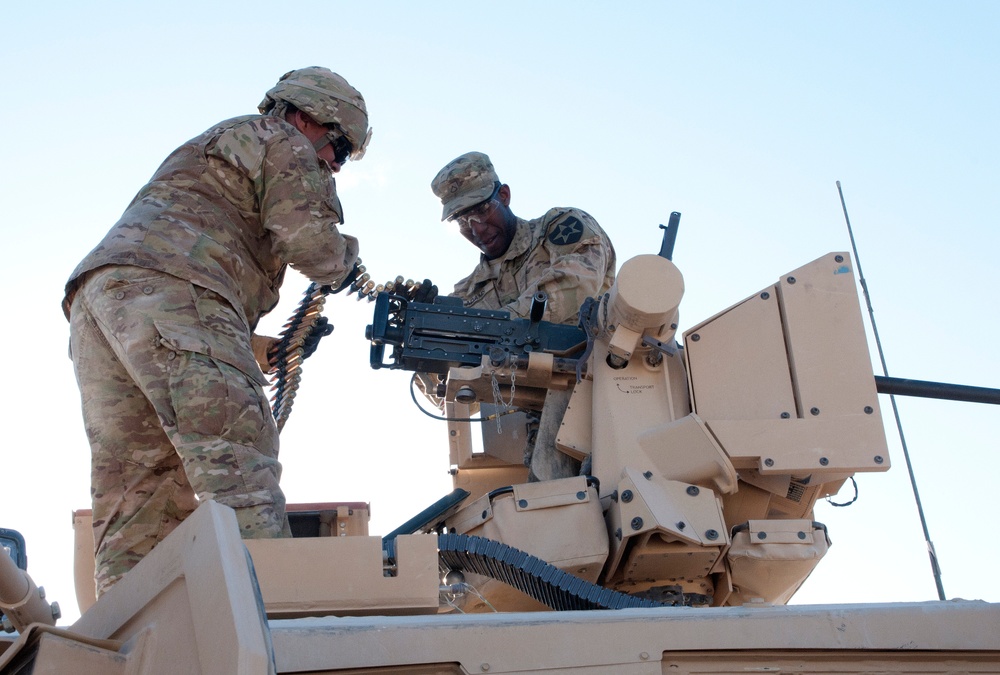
(301, 121)
(295, 119)
(504, 195)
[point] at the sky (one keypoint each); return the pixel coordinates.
(742, 116)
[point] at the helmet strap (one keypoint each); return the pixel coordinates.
(321, 143)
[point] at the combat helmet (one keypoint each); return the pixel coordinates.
(327, 98)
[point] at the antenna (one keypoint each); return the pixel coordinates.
(895, 411)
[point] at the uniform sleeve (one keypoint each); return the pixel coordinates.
(300, 209)
(578, 258)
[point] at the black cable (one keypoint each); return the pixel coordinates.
(413, 395)
(833, 503)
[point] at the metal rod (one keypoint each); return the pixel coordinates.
(924, 389)
(935, 568)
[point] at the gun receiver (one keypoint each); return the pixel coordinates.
(432, 338)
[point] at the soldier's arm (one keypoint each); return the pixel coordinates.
(300, 209)
(575, 271)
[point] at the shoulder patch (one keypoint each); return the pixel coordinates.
(566, 231)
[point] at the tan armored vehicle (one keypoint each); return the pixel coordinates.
(675, 551)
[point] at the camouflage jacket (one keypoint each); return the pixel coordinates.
(228, 210)
(564, 253)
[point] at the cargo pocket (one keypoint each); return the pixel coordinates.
(217, 390)
(188, 338)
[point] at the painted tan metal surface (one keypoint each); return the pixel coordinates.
(191, 606)
(558, 521)
(20, 600)
(335, 519)
(770, 405)
(893, 636)
(319, 576)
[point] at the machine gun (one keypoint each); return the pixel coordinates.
(436, 337)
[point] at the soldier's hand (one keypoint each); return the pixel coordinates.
(264, 351)
(348, 280)
(425, 292)
(321, 329)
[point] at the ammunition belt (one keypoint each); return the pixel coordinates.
(530, 575)
(287, 372)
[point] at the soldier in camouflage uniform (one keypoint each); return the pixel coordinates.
(162, 314)
(565, 253)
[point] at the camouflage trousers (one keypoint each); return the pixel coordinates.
(544, 460)
(174, 411)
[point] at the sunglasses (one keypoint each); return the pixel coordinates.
(342, 147)
(478, 210)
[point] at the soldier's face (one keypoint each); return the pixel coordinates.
(315, 131)
(490, 226)
(329, 155)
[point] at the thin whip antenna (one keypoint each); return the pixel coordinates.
(895, 411)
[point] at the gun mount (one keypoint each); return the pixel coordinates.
(709, 453)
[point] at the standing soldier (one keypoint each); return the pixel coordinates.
(162, 314)
(565, 253)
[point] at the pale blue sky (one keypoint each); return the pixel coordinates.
(740, 115)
